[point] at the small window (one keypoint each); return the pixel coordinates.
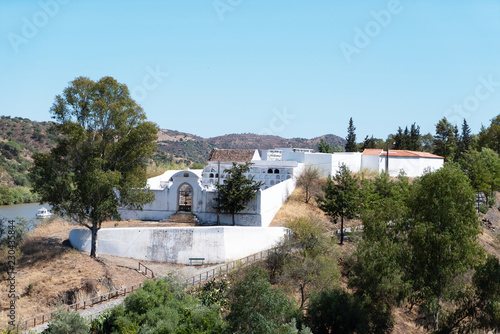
(276, 171)
(217, 175)
(271, 183)
(211, 174)
(270, 171)
(277, 177)
(186, 174)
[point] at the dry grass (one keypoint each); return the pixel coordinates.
(295, 207)
(57, 273)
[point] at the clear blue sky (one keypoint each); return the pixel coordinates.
(290, 68)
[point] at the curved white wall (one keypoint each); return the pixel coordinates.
(177, 244)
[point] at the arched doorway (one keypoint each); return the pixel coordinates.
(185, 198)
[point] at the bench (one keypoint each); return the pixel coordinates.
(196, 260)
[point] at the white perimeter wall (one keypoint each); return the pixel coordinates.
(273, 198)
(351, 159)
(177, 244)
(412, 166)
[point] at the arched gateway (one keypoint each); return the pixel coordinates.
(185, 196)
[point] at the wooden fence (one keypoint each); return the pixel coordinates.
(190, 283)
(91, 302)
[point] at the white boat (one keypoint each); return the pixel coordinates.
(43, 213)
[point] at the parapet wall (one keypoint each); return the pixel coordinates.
(177, 244)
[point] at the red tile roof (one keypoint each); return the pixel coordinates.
(401, 153)
(231, 155)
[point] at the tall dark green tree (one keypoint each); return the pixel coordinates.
(341, 198)
(464, 142)
(445, 140)
(369, 142)
(414, 140)
(351, 146)
(442, 240)
(236, 190)
(401, 139)
(99, 162)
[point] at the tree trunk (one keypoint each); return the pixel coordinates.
(234, 223)
(93, 249)
(435, 317)
(341, 229)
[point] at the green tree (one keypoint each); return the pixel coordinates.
(350, 145)
(402, 139)
(308, 180)
(445, 140)
(336, 311)
(464, 143)
(324, 147)
(310, 264)
(370, 142)
(414, 141)
(255, 307)
(441, 237)
(479, 305)
(341, 197)
(236, 190)
(376, 274)
(482, 169)
(99, 162)
(490, 136)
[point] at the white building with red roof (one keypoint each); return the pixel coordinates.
(412, 163)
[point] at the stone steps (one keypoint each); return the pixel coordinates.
(182, 218)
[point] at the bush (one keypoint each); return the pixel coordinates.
(491, 201)
(483, 209)
(256, 307)
(64, 322)
(160, 307)
(336, 311)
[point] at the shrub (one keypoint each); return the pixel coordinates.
(64, 322)
(336, 311)
(491, 201)
(483, 209)
(256, 307)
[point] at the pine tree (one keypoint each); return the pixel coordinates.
(445, 140)
(414, 140)
(351, 146)
(341, 197)
(464, 141)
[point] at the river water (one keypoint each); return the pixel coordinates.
(27, 211)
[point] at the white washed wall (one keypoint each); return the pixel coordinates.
(272, 200)
(177, 244)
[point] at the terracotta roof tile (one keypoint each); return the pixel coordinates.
(231, 155)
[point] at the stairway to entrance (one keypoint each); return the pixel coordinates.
(182, 219)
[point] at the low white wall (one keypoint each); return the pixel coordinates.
(177, 244)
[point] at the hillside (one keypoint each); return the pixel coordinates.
(178, 145)
(20, 138)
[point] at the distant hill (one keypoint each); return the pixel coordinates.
(192, 148)
(21, 138)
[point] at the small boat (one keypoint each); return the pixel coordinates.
(43, 213)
